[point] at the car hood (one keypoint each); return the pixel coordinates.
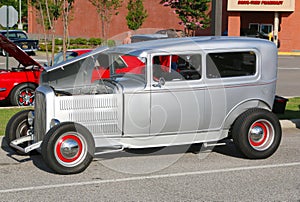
(14, 51)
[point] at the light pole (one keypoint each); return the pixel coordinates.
(217, 17)
(20, 25)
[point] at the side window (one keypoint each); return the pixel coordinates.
(230, 64)
(177, 67)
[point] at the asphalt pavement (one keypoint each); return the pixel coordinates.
(219, 174)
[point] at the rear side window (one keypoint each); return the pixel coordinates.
(230, 64)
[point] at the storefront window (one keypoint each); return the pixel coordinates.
(266, 28)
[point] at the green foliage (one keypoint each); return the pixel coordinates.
(58, 41)
(292, 110)
(76, 43)
(192, 13)
(42, 47)
(80, 41)
(6, 114)
(106, 9)
(136, 14)
(111, 43)
(95, 41)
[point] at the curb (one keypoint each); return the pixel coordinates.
(289, 53)
(293, 123)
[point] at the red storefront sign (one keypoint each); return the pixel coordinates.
(261, 5)
(262, 2)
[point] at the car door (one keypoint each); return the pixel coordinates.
(177, 100)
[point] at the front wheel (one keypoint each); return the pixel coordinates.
(17, 127)
(257, 133)
(68, 148)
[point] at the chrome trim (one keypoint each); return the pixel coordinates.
(2, 89)
(30, 118)
(54, 122)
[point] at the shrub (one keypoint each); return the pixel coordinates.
(81, 41)
(58, 41)
(95, 41)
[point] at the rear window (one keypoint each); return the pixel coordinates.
(230, 64)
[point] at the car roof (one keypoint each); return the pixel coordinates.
(181, 45)
(192, 44)
(4, 31)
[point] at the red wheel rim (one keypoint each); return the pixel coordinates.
(261, 135)
(70, 150)
(26, 97)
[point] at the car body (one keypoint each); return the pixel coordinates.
(20, 38)
(186, 91)
(17, 84)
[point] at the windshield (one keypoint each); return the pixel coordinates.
(15, 35)
(95, 68)
(59, 57)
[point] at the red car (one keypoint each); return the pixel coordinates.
(17, 85)
(124, 64)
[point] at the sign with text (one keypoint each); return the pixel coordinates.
(261, 5)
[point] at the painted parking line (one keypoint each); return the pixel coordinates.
(146, 177)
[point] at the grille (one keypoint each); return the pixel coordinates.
(40, 116)
(100, 114)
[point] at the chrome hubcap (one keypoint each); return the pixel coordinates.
(256, 134)
(69, 148)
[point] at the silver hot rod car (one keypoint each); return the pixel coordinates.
(153, 94)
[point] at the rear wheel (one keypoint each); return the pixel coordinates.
(17, 127)
(257, 133)
(23, 95)
(68, 148)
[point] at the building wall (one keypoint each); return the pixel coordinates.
(85, 22)
(289, 34)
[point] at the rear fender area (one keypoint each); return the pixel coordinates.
(242, 107)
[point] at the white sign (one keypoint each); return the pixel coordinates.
(261, 5)
(12, 16)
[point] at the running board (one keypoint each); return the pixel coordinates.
(15, 144)
(112, 150)
(207, 144)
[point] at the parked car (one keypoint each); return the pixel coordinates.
(186, 91)
(71, 53)
(20, 38)
(147, 37)
(17, 84)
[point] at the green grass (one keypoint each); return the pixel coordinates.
(6, 114)
(292, 111)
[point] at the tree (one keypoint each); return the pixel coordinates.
(50, 11)
(192, 13)
(106, 9)
(67, 6)
(136, 14)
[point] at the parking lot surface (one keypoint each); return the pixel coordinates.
(168, 174)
